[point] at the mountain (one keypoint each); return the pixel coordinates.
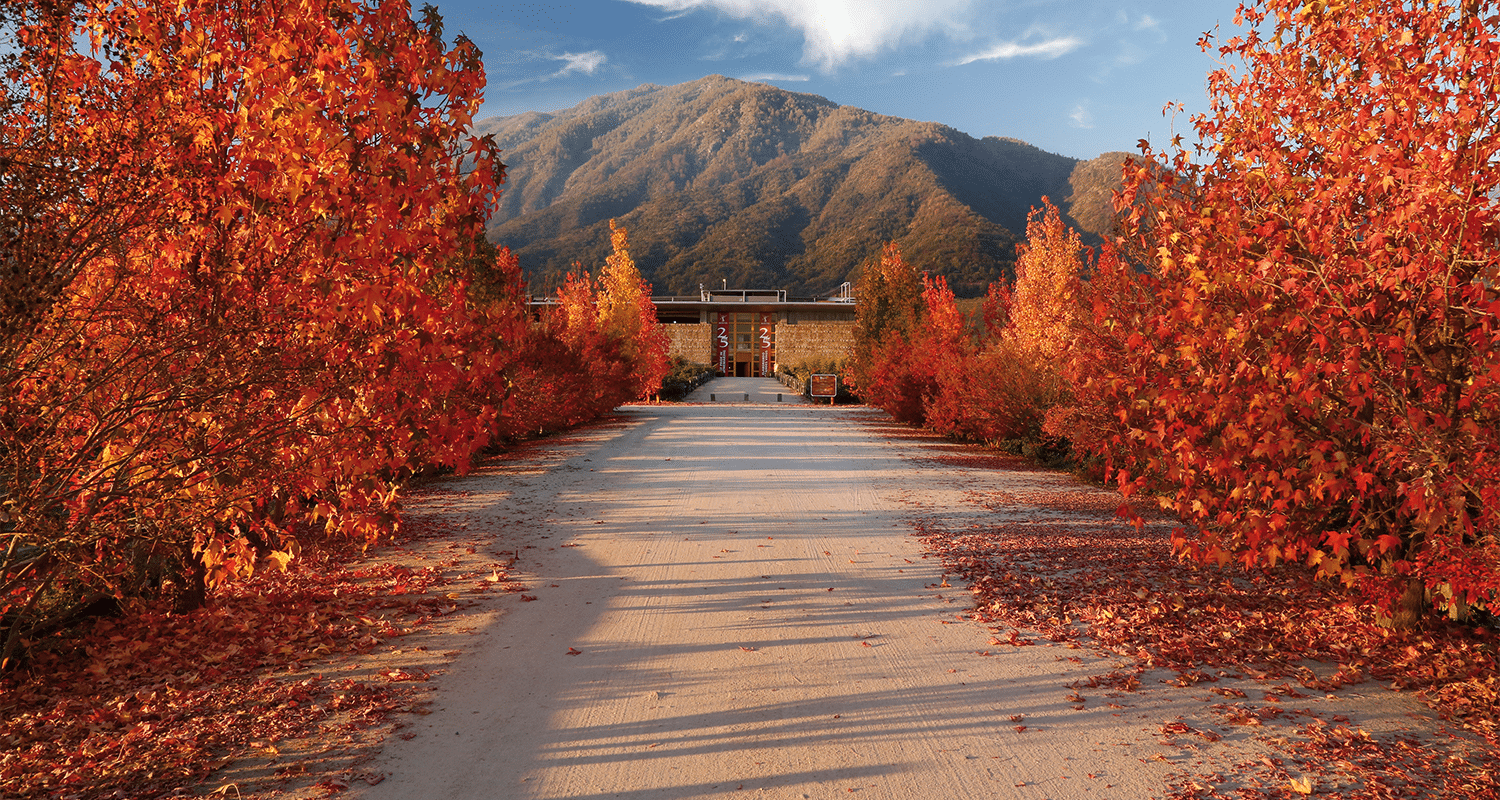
(719, 180)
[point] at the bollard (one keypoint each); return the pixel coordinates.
(710, 398)
(778, 397)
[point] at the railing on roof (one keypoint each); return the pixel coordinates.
(763, 296)
(743, 295)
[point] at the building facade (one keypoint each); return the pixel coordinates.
(751, 332)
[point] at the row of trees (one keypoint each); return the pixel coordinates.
(246, 294)
(1294, 343)
(916, 355)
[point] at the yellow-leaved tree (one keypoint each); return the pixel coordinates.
(627, 315)
(1006, 391)
(1042, 304)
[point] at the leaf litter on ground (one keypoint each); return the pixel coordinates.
(153, 703)
(1056, 562)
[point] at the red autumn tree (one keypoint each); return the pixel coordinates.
(1001, 389)
(1318, 376)
(593, 369)
(1017, 375)
(606, 333)
(890, 313)
(1104, 335)
(230, 313)
(942, 351)
(915, 357)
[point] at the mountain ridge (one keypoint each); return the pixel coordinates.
(722, 180)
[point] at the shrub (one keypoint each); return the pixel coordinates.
(683, 376)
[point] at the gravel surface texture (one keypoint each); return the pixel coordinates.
(726, 600)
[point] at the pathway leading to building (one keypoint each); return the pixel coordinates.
(745, 390)
(726, 601)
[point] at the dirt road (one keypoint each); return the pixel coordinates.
(728, 602)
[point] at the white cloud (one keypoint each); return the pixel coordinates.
(1052, 48)
(580, 62)
(766, 77)
(1130, 54)
(1081, 116)
(835, 31)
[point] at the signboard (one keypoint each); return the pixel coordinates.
(766, 334)
(722, 329)
(823, 385)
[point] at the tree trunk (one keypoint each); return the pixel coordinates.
(1410, 608)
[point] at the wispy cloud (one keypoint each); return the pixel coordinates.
(1145, 23)
(1081, 117)
(1052, 48)
(767, 77)
(720, 48)
(836, 31)
(586, 63)
(531, 61)
(1130, 54)
(1135, 42)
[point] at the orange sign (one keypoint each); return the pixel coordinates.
(824, 385)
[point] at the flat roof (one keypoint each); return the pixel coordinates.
(723, 299)
(726, 305)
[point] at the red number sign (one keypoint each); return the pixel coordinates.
(721, 342)
(766, 333)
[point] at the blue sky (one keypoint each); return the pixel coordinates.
(1071, 77)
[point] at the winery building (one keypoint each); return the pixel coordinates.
(749, 332)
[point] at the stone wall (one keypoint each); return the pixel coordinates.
(692, 342)
(796, 342)
(813, 340)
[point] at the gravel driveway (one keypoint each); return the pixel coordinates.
(726, 601)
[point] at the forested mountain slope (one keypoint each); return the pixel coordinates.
(723, 180)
